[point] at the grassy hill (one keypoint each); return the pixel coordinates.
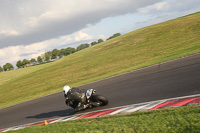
(137, 49)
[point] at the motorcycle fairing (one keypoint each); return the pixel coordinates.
(89, 93)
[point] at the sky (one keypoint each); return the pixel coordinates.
(28, 28)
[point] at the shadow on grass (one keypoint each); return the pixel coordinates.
(60, 113)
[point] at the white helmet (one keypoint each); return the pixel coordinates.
(66, 88)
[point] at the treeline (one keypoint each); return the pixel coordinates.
(6, 67)
(51, 55)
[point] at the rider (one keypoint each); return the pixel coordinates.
(75, 98)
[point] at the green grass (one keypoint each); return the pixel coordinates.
(147, 46)
(175, 120)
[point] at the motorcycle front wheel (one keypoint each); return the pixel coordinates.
(101, 99)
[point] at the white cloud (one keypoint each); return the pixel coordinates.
(35, 21)
(166, 10)
(14, 53)
(10, 54)
(102, 37)
(82, 36)
(42, 20)
(172, 7)
(161, 6)
(9, 33)
(29, 28)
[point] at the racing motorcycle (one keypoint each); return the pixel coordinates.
(84, 99)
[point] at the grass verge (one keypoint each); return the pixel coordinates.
(173, 120)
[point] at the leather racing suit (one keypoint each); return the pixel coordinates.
(76, 98)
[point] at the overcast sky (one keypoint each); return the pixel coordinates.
(29, 28)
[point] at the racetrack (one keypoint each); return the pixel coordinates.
(175, 78)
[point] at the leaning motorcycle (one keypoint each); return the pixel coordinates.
(85, 98)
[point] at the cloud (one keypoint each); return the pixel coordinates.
(25, 21)
(34, 50)
(172, 7)
(166, 10)
(29, 28)
(82, 36)
(161, 6)
(9, 33)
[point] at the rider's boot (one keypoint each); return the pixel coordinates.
(81, 107)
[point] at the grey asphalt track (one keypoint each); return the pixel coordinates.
(175, 78)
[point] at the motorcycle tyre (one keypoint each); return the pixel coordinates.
(98, 98)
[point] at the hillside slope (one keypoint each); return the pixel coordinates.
(137, 49)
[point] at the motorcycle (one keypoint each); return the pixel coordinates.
(84, 99)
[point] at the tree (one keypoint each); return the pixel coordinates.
(47, 56)
(43, 57)
(19, 64)
(71, 50)
(5, 67)
(60, 54)
(93, 43)
(39, 59)
(68, 51)
(8, 67)
(25, 62)
(33, 61)
(54, 54)
(82, 46)
(114, 35)
(100, 40)
(1, 69)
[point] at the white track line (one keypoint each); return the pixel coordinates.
(124, 109)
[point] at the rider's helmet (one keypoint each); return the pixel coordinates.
(66, 88)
